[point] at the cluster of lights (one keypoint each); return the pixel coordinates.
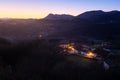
(71, 50)
(90, 55)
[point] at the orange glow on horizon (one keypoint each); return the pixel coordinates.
(21, 12)
(25, 16)
(32, 12)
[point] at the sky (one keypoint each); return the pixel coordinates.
(41, 8)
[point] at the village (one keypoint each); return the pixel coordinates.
(98, 51)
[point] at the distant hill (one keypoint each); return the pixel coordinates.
(101, 16)
(59, 17)
(95, 24)
(97, 16)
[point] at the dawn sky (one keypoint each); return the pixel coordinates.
(41, 8)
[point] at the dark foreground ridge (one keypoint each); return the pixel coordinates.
(43, 60)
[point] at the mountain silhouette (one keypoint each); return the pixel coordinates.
(96, 24)
(59, 17)
(100, 16)
(97, 16)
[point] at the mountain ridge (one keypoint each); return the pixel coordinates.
(96, 16)
(59, 17)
